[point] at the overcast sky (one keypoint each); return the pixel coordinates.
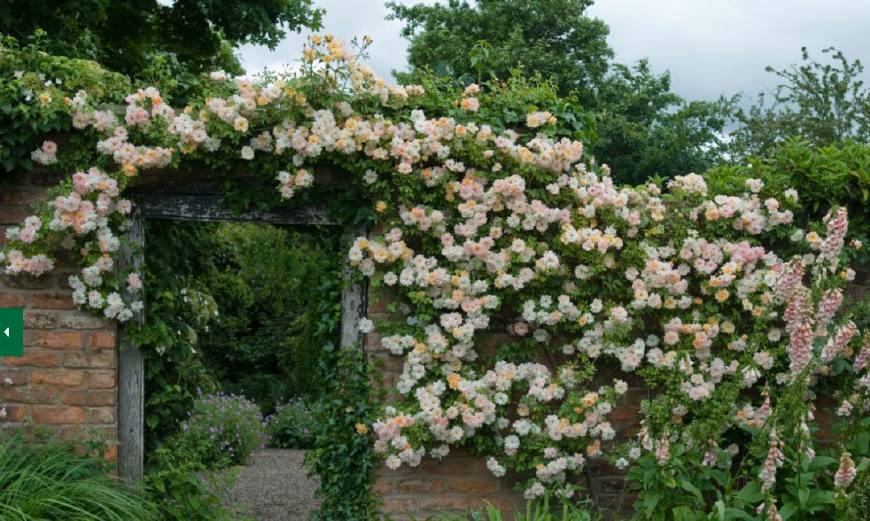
(710, 46)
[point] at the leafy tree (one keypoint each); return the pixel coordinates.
(125, 34)
(822, 103)
(552, 37)
(639, 126)
(645, 129)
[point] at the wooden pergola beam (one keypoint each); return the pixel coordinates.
(207, 207)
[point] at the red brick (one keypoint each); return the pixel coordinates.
(103, 415)
(38, 394)
(422, 485)
(90, 398)
(398, 505)
(55, 340)
(15, 413)
(111, 453)
(382, 486)
(102, 340)
(18, 376)
(625, 412)
(472, 486)
(21, 197)
(40, 320)
(61, 377)
(442, 503)
(93, 360)
(101, 380)
(27, 282)
(52, 301)
(12, 300)
(13, 214)
(60, 414)
(81, 320)
(39, 359)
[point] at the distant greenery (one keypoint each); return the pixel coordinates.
(231, 307)
(821, 102)
(490, 38)
(292, 426)
(51, 481)
(264, 341)
(221, 430)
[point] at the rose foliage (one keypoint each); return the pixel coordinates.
(716, 301)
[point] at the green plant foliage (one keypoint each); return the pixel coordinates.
(177, 483)
(342, 457)
(124, 34)
(32, 96)
(51, 481)
(263, 342)
(222, 430)
(292, 425)
(824, 176)
(169, 340)
(643, 129)
(859, 504)
(554, 38)
(541, 510)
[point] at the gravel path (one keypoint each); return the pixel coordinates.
(273, 486)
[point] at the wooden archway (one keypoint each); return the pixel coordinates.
(198, 198)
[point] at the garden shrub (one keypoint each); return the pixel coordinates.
(859, 502)
(179, 309)
(175, 480)
(265, 279)
(52, 481)
(544, 509)
(32, 99)
(222, 430)
(292, 425)
(825, 177)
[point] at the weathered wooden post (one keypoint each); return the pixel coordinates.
(131, 369)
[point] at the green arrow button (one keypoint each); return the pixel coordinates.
(11, 331)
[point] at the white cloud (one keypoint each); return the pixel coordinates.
(710, 46)
(722, 46)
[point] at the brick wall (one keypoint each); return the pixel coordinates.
(66, 382)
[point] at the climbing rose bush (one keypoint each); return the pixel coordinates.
(715, 301)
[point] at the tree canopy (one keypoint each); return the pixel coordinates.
(821, 102)
(554, 38)
(124, 35)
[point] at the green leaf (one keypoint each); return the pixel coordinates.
(788, 510)
(751, 493)
(688, 487)
(684, 513)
